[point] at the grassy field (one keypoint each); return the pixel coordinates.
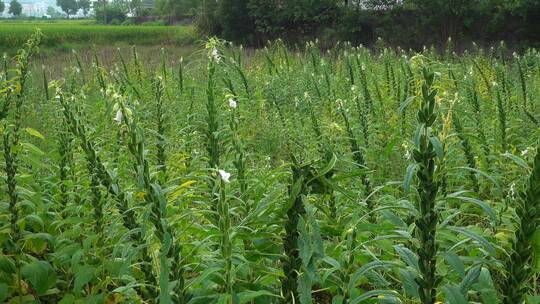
(270, 176)
(80, 33)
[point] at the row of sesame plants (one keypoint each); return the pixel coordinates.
(271, 176)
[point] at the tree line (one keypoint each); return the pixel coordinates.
(409, 23)
(361, 21)
(15, 8)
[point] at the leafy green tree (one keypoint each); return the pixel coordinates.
(53, 12)
(177, 7)
(451, 15)
(524, 8)
(134, 7)
(235, 20)
(207, 21)
(273, 17)
(111, 13)
(70, 7)
(15, 8)
(84, 5)
(2, 7)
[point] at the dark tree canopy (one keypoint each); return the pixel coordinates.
(406, 22)
(2, 7)
(177, 8)
(15, 8)
(70, 7)
(84, 5)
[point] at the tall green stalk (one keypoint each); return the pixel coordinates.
(359, 159)
(426, 221)
(155, 199)
(518, 264)
(467, 149)
(160, 127)
(129, 217)
(291, 261)
(11, 138)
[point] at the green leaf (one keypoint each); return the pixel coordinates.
(318, 245)
(535, 243)
(470, 278)
(304, 243)
(32, 148)
(337, 299)
(437, 146)
(6, 265)
(373, 293)
(206, 273)
(34, 133)
(530, 299)
(453, 295)
(68, 299)
(518, 160)
(4, 289)
(40, 274)
(411, 169)
(489, 177)
(304, 288)
(473, 235)
(247, 296)
(486, 287)
(406, 103)
(83, 276)
(455, 262)
(407, 255)
(164, 293)
(410, 286)
(360, 272)
(487, 208)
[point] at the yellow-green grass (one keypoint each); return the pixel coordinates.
(13, 34)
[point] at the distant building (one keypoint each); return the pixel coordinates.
(148, 4)
(33, 9)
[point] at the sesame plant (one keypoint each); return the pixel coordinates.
(276, 175)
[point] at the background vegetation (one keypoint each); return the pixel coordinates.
(62, 34)
(304, 176)
(408, 23)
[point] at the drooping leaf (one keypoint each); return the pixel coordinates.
(408, 256)
(40, 274)
(453, 295)
(455, 262)
(83, 276)
(34, 133)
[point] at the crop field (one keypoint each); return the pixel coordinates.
(13, 34)
(276, 175)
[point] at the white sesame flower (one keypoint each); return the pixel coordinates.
(224, 175)
(119, 116)
(512, 191)
(216, 55)
(407, 155)
(232, 103)
(526, 151)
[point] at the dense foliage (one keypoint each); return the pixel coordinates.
(410, 23)
(15, 8)
(271, 176)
